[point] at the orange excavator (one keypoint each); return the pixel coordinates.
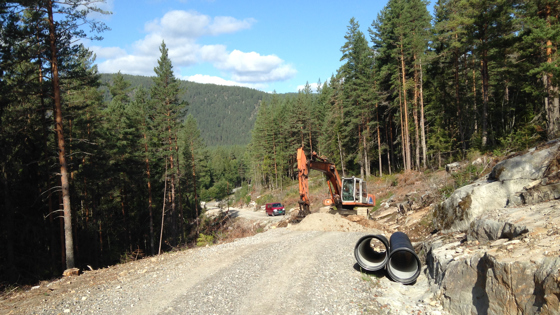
(348, 195)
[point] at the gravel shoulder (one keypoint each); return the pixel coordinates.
(280, 271)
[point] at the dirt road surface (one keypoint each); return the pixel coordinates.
(246, 213)
(280, 271)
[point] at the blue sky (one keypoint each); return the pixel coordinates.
(266, 45)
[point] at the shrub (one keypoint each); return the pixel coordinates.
(204, 240)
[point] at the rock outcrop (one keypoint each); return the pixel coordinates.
(498, 249)
(502, 187)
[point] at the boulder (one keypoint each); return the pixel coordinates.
(404, 207)
(485, 284)
(485, 230)
(509, 263)
(453, 167)
(531, 165)
(538, 194)
(71, 272)
(502, 187)
(469, 202)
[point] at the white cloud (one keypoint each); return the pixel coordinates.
(129, 64)
(203, 78)
(227, 24)
(108, 52)
(192, 24)
(180, 30)
(252, 67)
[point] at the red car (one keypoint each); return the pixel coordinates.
(275, 208)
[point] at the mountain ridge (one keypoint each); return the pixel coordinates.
(225, 114)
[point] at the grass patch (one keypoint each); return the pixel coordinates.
(204, 240)
(378, 203)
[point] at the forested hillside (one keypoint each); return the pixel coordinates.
(92, 179)
(225, 114)
(417, 91)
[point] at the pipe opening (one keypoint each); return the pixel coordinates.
(403, 264)
(371, 252)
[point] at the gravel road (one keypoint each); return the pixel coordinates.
(281, 271)
(248, 214)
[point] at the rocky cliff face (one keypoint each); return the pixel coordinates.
(498, 249)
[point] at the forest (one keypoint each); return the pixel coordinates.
(225, 114)
(95, 169)
(418, 91)
(89, 179)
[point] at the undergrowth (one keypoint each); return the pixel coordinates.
(462, 177)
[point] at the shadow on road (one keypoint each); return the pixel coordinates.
(233, 213)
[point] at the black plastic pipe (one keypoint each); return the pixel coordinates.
(371, 252)
(403, 265)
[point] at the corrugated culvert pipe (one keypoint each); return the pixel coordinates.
(371, 252)
(403, 265)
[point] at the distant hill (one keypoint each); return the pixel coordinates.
(225, 114)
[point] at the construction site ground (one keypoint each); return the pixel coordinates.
(268, 265)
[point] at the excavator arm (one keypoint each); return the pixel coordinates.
(303, 177)
(323, 165)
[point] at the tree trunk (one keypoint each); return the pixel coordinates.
(173, 214)
(457, 99)
(150, 202)
(415, 114)
(406, 143)
(340, 151)
(475, 109)
(485, 87)
(379, 142)
(422, 123)
(163, 208)
(125, 219)
(194, 186)
(390, 154)
(275, 164)
(401, 114)
(361, 152)
(69, 244)
(366, 156)
(552, 103)
(8, 228)
(181, 216)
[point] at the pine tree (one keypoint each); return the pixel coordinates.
(542, 34)
(140, 111)
(165, 94)
(74, 14)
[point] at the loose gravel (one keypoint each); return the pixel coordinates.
(281, 271)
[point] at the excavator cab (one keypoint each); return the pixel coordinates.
(354, 190)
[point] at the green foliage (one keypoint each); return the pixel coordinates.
(204, 240)
(447, 190)
(521, 139)
(225, 114)
(264, 199)
(466, 175)
(243, 194)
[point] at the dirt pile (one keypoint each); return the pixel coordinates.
(328, 223)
